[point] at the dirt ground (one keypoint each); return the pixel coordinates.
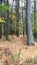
(19, 43)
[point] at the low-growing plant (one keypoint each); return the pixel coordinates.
(18, 59)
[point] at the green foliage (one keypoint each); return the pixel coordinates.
(2, 21)
(4, 7)
(35, 39)
(14, 25)
(14, 13)
(17, 58)
(17, 25)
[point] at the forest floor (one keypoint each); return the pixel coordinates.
(14, 45)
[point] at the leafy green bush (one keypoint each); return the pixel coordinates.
(2, 21)
(4, 7)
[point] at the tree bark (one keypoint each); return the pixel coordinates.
(34, 15)
(30, 39)
(7, 23)
(0, 24)
(17, 17)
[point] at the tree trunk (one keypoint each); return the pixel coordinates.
(7, 23)
(0, 30)
(0, 24)
(30, 39)
(11, 31)
(17, 17)
(35, 33)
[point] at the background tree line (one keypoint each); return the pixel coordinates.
(18, 18)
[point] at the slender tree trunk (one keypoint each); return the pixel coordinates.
(17, 17)
(34, 15)
(22, 19)
(11, 31)
(30, 39)
(7, 23)
(35, 33)
(0, 30)
(23, 22)
(4, 19)
(0, 24)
